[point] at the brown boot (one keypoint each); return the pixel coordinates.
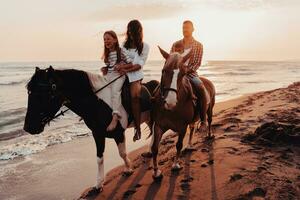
(202, 98)
(136, 111)
(202, 101)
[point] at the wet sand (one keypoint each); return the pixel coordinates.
(61, 171)
(255, 155)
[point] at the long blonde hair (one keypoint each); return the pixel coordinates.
(117, 47)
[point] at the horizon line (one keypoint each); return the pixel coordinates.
(210, 60)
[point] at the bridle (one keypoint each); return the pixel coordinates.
(163, 89)
(49, 88)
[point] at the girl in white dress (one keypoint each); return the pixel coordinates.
(113, 55)
(137, 51)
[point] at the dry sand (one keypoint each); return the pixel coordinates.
(255, 155)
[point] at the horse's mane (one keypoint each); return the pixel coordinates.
(77, 81)
(173, 59)
(74, 80)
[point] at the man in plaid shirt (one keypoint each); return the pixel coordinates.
(190, 45)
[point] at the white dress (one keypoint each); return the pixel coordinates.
(137, 59)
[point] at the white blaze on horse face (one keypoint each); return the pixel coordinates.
(100, 173)
(171, 98)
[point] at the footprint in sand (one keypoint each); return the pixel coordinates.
(203, 165)
(235, 177)
(185, 183)
(204, 150)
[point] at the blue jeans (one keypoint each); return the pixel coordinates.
(199, 91)
(194, 78)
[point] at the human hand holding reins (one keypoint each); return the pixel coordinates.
(120, 68)
(104, 70)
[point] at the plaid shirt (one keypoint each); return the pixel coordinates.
(196, 57)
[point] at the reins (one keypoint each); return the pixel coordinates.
(64, 111)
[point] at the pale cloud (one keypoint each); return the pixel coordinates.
(152, 10)
(145, 11)
(248, 4)
(72, 29)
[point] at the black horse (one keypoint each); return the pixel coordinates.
(49, 89)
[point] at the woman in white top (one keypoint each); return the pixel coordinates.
(138, 52)
(113, 55)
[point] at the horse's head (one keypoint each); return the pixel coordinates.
(172, 73)
(44, 99)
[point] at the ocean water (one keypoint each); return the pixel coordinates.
(231, 79)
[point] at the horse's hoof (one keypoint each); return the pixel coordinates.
(157, 178)
(127, 173)
(212, 137)
(176, 167)
(92, 192)
(147, 155)
(157, 175)
(202, 128)
(137, 136)
(189, 149)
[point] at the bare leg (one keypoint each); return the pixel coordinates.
(114, 122)
(135, 91)
(123, 153)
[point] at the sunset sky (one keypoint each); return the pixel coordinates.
(71, 30)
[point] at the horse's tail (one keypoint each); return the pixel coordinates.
(151, 126)
(152, 86)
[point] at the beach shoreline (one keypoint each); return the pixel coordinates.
(66, 170)
(74, 156)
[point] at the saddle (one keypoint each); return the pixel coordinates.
(145, 100)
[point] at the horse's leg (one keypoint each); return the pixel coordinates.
(192, 129)
(157, 132)
(181, 134)
(100, 146)
(148, 154)
(209, 117)
(152, 139)
(121, 142)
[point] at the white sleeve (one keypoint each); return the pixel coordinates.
(141, 59)
(125, 55)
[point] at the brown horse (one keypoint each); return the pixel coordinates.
(174, 106)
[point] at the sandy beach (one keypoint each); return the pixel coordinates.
(62, 69)
(255, 155)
